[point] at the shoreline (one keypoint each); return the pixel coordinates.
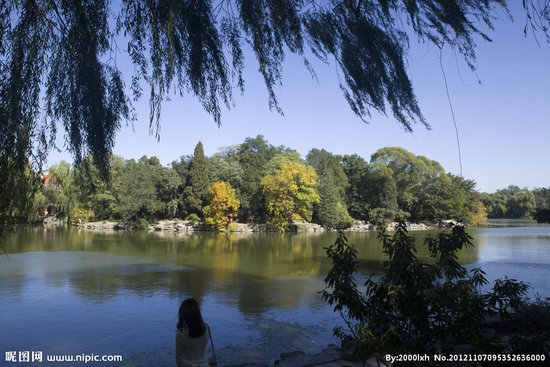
(180, 226)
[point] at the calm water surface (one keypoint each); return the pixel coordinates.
(72, 292)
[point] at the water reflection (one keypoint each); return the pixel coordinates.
(259, 290)
(144, 262)
(248, 252)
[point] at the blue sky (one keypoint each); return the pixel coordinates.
(503, 122)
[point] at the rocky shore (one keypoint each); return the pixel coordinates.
(332, 356)
(361, 226)
(186, 226)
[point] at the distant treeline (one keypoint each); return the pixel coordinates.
(514, 202)
(258, 182)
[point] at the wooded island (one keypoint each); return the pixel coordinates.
(256, 182)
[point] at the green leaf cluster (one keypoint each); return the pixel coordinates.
(198, 182)
(514, 202)
(414, 306)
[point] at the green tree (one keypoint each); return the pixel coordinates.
(380, 194)
(168, 188)
(225, 166)
(62, 190)
(222, 206)
(355, 168)
(328, 164)
(542, 197)
(198, 182)
(20, 194)
(402, 164)
(419, 181)
(104, 193)
(105, 206)
(253, 155)
(137, 190)
(289, 193)
(521, 205)
(330, 211)
(542, 216)
(495, 204)
(181, 167)
(460, 201)
(511, 202)
(94, 191)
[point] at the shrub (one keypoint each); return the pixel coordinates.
(344, 220)
(193, 218)
(415, 307)
(530, 328)
(381, 216)
(83, 215)
(141, 224)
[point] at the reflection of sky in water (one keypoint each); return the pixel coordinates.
(517, 249)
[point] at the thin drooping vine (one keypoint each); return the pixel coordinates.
(451, 106)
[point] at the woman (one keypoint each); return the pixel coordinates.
(192, 336)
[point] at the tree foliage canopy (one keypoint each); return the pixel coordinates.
(141, 190)
(63, 191)
(198, 182)
(290, 193)
(222, 206)
(514, 202)
(332, 190)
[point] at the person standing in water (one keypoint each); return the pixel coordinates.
(192, 336)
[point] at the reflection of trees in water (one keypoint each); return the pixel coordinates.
(370, 249)
(105, 282)
(467, 255)
(252, 294)
(29, 238)
(249, 270)
(254, 297)
(12, 286)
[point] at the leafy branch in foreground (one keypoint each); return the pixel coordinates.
(416, 307)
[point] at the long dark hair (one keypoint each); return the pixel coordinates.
(190, 315)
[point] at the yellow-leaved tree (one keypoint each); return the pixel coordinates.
(289, 192)
(222, 206)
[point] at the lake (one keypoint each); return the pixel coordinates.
(73, 292)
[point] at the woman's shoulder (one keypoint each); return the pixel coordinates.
(184, 331)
